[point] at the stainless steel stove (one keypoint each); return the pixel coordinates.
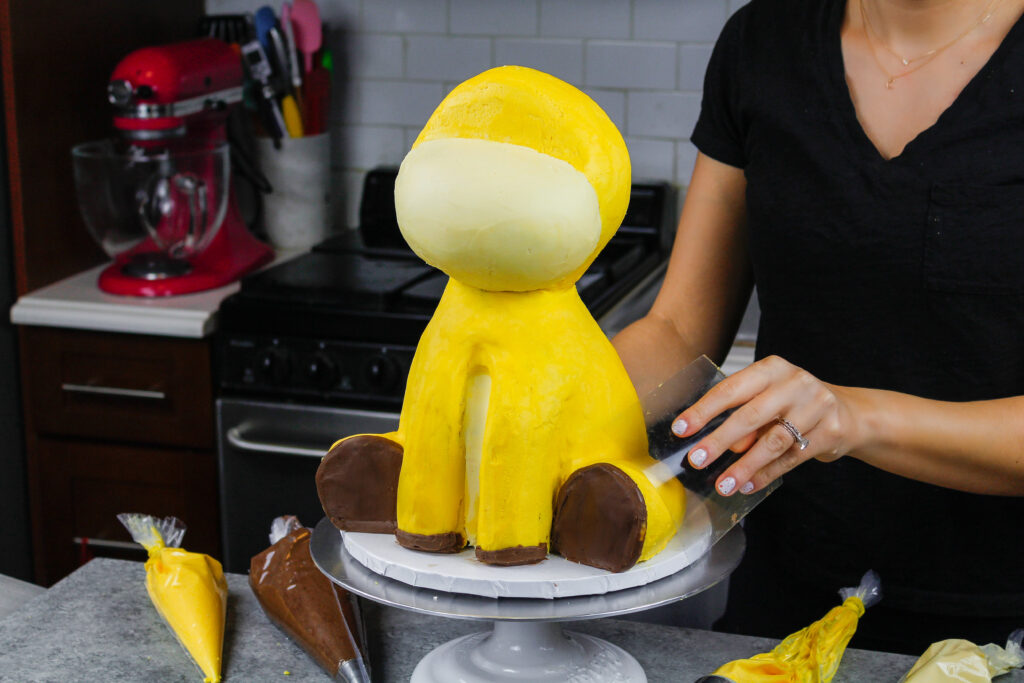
(319, 347)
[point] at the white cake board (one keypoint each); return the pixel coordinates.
(554, 577)
(526, 643)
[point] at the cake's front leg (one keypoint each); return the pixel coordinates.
(432, 484)
(518, 470)
(358, 482)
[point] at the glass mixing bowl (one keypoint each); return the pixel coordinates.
(152, 207)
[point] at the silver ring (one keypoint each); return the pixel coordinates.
(793, 432)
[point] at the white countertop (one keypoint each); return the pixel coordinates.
(78, 303)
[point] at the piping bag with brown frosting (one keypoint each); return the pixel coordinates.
(305, 604)
(188, 589)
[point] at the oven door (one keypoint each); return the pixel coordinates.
(268, 455)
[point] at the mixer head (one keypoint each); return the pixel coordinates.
(158, 92)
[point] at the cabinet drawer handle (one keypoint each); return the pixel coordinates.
(114, 391)
(235, 438)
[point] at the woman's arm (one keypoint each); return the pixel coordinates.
(971, 446)
(706, 287)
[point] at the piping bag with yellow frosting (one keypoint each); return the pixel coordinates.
(188, 589)
(812, 654)
(961, 661)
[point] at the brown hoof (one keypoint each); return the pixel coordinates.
(600, 518)
(516, 555)
(358, 484)
(451, 542)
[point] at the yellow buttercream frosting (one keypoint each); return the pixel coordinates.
(513, 187)
(558, 399)
(189, 592)
(523, 106)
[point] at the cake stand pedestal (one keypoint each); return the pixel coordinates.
(526, 642)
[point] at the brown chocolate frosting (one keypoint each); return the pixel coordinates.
(451, 542)
(600, 518)
(516, 555)
(304, 603)
(358, 484)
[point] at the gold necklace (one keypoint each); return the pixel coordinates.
(869, 31)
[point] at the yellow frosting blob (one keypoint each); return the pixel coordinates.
(495, 215)
(525, 107)
(190, 593)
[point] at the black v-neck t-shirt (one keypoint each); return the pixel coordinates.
(904, 274)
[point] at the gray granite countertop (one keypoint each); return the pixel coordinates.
(98, 624)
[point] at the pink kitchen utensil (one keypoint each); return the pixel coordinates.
(308, 30)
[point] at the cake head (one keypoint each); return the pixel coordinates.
(516, 182)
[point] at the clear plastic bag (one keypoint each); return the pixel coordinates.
(812, 654)
(661, 406)
(961, 661)
(187, 589)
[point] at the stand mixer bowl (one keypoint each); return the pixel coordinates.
(152, 208)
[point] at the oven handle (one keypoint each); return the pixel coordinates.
(235, 438)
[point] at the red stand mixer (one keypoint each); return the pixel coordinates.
(158, 197)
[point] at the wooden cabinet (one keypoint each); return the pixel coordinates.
(88, 454)
(115, 423)
(119, 387)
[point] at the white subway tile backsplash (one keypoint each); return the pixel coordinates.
(642, 61)
(443, 58)
(400, 103)
(561, 58)
(376, 56)
(662, 114)
(584, 18)
(410, 136)
(349, 185)
(366, 147)
(681, 20)
(693, 62)
(405, 16)
(686, 157)
(652, 159)
(615, 64)
(494, 17)
(614, 104)
(338, 13)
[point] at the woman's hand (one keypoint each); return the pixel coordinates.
(769, 389)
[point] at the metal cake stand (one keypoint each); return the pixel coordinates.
(526, 642)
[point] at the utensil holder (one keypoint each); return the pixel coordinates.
(297, 213)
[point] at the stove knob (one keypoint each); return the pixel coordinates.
(381, 372)
(272, 365)
(322, 371)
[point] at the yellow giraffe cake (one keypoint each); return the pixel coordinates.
(520, 430)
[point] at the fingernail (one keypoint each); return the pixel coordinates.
(726, 486)
(679, 427)
(747, 488)
(698, 457)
